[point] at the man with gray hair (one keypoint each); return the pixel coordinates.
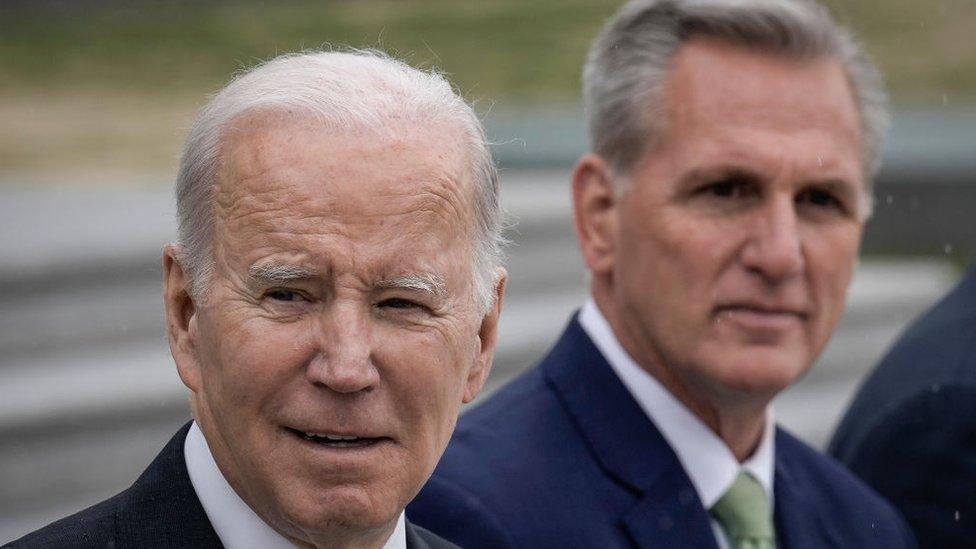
(720, 215)
(331, 302)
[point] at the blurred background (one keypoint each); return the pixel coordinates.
(95, 96)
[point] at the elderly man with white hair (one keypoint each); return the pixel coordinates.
(719, 215)
(332, 301)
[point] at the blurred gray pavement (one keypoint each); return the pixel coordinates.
(89, 394)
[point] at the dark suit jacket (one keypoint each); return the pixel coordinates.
(159, 510)
(565, 457)
(911, 431)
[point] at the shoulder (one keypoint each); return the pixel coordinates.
(526, 396)
(159, 510)
(92, 527)
(469, 493)
(938, 419)
(820, 476)
(943, 338)
(456, 512)
(517, 473)
(938, 349)
(850, 509)
(520, 430)
(556, 444)
(921, 456)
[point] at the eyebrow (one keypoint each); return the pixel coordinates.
(425, 282)
(276, 272)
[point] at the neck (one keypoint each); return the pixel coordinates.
(741, 428)
(736, 417)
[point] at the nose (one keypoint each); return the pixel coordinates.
(775, 248)
(344, 362)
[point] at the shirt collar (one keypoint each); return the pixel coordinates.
(236, 524)
(708, 461)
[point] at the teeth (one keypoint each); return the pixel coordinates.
(327, 436)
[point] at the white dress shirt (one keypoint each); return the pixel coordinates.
(710, 464)
(236, 524)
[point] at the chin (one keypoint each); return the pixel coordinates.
(345, 508)
(760, 372)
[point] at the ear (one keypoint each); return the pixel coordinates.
(181, 318)
(488, 335)
(595, 213)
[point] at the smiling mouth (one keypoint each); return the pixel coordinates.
(336, 441)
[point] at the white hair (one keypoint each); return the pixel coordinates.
(346, 90)
(628, 64)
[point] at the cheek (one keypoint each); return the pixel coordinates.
(249, 360)
(680, 261)
(420, 362)
(425, 372)
(830, 264)
(834, 257)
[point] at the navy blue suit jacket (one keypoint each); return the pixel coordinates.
(911, 430)
(564, 457)
(160, 510)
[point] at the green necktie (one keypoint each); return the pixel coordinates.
(745, 515)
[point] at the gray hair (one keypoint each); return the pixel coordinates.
(628, 64)
(347, 90)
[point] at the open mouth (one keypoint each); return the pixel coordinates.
(335, 441)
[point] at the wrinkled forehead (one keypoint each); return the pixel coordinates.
(294, 157)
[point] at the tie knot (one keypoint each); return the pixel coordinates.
(745, 515)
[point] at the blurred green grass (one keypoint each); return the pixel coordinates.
(499, 49)
(105, 85)
(503, 49)
(926, 49)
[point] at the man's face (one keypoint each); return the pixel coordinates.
(738, 235)
(340, 335)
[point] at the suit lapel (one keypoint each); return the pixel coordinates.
(799, 523)
(414, 541)
(418, 538)
(669, 514)
(161, 508)
(627, 445)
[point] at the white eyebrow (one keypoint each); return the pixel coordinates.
(274, 272)
(425, 282)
